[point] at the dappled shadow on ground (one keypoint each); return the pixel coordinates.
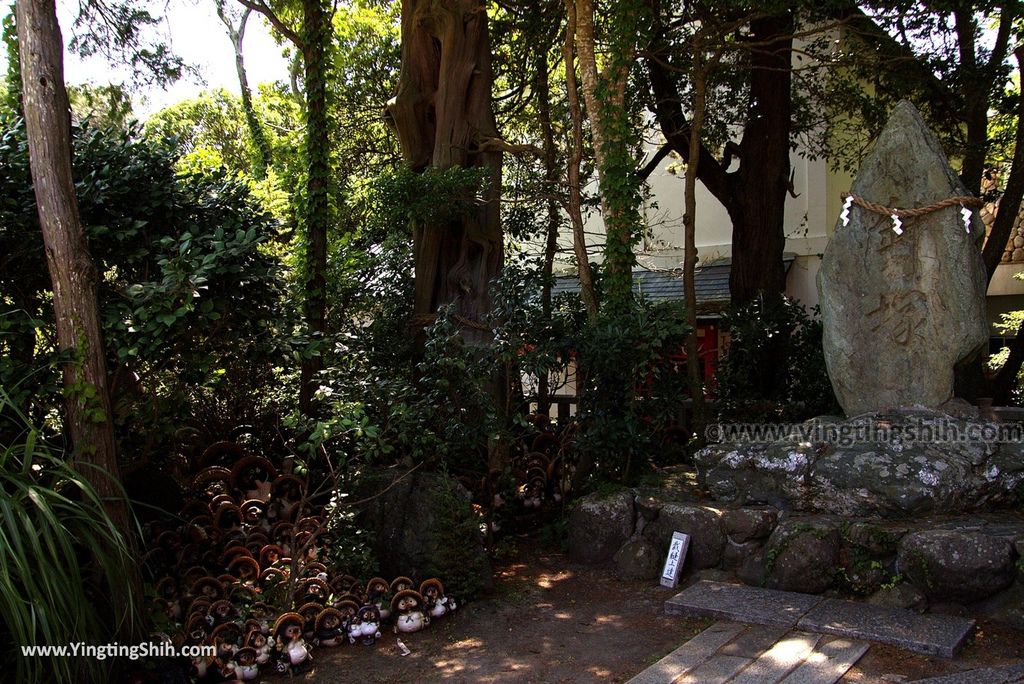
(549, 620)
(552, 620)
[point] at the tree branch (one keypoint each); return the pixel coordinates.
(675, 127)
(275, 21)
(652, 164)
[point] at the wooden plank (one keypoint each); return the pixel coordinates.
(778, 661)
(689, 655)
(715, 670)
(828, 663)
(754, 641)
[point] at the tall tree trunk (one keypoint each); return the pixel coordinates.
(443, 116)
(542, 86)
(316, 213)
(754, 194)
(760, 184)
(604, 93)
(74, 277)
(261, 151)
(574, 204)
(699, 75)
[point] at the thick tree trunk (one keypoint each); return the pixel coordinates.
(755, 193)
(74, 277)
(74, 280)
(760, 184)
(316, 212)
(444, 118)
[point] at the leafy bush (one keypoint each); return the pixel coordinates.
(458, 559)
(192, 308)
(774, 369)
(629, 392)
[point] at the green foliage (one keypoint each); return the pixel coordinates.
(349, 549)
(937, 55)
(434, 196)
(10, 89)
(1008, 325)
(401, 406)
(61, 556)
(458, 559)
(774, 369)
(208, 131)
(122, 31)
(190, 299)
(108, 106)
(630, 391)
(209, 134)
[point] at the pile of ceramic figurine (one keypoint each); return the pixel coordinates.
(239, 572)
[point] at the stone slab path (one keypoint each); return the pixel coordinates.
(742, 604)
(941, 635)
(1011, 674)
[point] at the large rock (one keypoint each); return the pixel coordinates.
(803, 556)
(900, 311)
(891, 463)
(599, 525)
(903, 595)
(638, 559)
(703, 526)
(744, 524)
(953, 565)
(423, 526)
(1006, 608)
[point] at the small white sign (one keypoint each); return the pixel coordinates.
(674, 563)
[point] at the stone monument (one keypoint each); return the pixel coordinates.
(902, 302)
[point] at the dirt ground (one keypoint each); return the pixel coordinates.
(552, 620)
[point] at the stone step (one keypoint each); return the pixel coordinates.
(741, 603)
(940, 635)
(1009, 674)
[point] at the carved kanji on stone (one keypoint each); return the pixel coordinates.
(900, 311)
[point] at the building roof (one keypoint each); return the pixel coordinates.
(711, 282)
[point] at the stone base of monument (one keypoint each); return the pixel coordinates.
(892, 464)
(938, 561)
